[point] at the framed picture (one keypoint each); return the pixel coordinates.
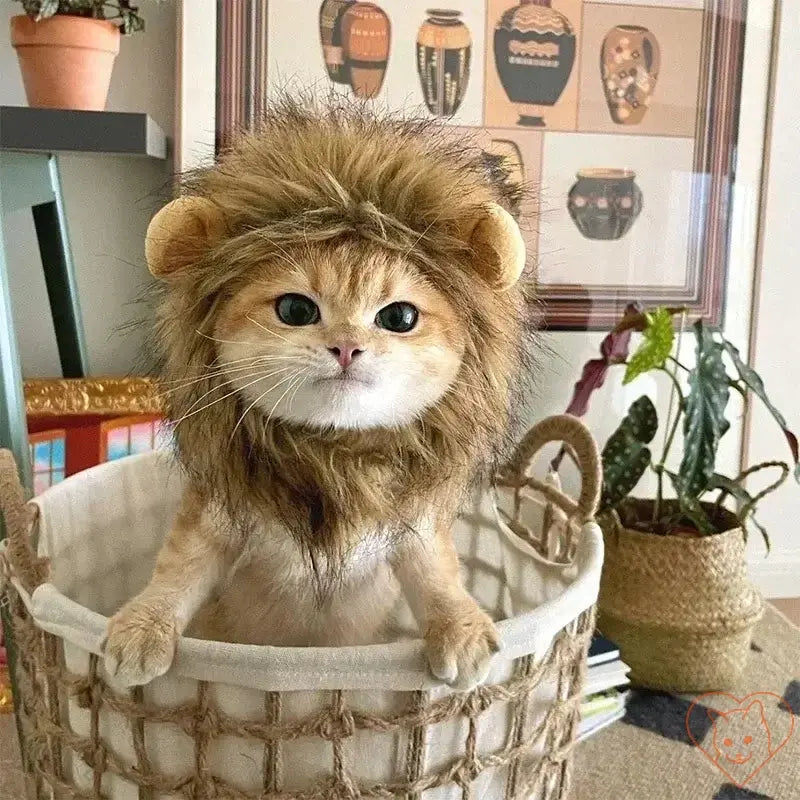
(74, 424)
(620, 116)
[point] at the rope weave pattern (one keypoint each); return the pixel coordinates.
(534, 757)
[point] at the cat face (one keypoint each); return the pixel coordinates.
(740, 733)
(339, 337)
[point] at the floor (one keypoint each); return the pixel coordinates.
(10, 778)
(789, 607)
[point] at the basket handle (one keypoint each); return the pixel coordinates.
(581, 447)
(18, 516)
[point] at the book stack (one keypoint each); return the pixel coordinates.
(605, 694)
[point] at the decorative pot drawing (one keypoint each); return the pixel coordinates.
(604, 203)
(366, 35)
(534, 51)
(629, 64)
(444, 46)
(331, 13)
(510, 157)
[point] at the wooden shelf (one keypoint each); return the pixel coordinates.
(50, 130)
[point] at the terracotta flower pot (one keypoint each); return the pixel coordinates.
(66, 61)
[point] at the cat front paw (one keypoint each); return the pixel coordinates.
(460, 647)
(141, 640)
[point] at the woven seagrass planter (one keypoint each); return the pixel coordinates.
(682, 610)
(244, 722)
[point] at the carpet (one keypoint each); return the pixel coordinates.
(648, 755)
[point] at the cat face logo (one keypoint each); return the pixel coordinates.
(743, 735)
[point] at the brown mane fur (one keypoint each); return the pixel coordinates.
(343, 176)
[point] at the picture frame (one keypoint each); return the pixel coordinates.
(695, 238)
(77, 423)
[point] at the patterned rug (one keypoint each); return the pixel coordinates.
(649, 754)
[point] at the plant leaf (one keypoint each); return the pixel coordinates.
(657, 340)
(753, 381)
(613, 350)
(704, 422)
(47, 8)
(729, 486)
(626, 456)
(691, 506)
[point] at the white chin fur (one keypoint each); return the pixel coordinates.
(348, 405)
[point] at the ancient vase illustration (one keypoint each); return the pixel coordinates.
(366, 36)
(444, 45)
(331, 13)
(534, 51)
(604, 203)
(629, 63)
(510, 158)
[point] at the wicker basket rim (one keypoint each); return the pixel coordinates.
(694, 543)
(398, 665)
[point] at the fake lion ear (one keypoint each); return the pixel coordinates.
(180, 234)
(499, 248)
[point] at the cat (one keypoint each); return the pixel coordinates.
(342, 328)
(741, 736)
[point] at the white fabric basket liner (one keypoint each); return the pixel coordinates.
(102, 529)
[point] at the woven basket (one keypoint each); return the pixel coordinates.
(244, 722)
(682, 610)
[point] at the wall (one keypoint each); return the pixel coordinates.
(109, 202)
(775, 317)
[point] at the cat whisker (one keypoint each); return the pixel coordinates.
(224, 341)
(277, 403)
(191, 412)
(257, 400)
(267, 330)
(222, 372)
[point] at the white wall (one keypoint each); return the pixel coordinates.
(109, 201)
(775, 350)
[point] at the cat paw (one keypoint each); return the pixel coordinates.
(140, 643)
(460, 648)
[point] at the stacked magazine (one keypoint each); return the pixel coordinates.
(605, 694)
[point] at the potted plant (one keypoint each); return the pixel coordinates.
(675, 594)
(66, 49)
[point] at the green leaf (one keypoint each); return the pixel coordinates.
(704, 422)
(753, 381)
(691, 506)
(729, 486)
(657, 340)
(625, 456)
(47, 8)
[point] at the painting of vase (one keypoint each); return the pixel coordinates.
(366, 36)
(510, 157)
(534, 52)
(331, 13)
(444, 46)
(604, 203)
(629, 64)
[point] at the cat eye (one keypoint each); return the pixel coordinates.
(727, 742)
(748, 739)
(397, 317)
(296, 309)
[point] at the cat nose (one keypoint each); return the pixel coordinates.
(344, 353)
